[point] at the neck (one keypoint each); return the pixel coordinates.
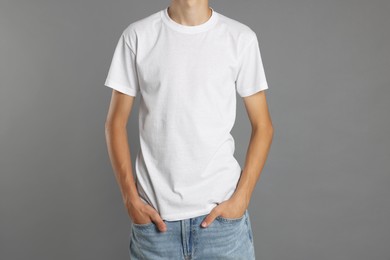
(189, 12)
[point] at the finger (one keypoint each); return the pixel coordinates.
(209, 218)
(159, 222)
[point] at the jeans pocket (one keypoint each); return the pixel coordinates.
(143, 226)
(231, 220)
(249, 228)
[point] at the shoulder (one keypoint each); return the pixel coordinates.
(238, 30)
(133, 31)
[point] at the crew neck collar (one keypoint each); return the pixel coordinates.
(189, 28)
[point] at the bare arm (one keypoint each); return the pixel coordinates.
(117, 144)
(260, 143)
(119, 152)
(259, 146)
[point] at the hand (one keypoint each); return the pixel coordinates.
(141, 213)
(231, 208)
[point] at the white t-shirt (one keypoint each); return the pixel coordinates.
(187, 78)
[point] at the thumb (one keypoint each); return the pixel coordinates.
(209, 218)
(159, 222)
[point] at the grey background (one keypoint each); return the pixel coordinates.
(324, 192)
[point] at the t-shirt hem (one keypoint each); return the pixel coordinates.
(251, 91)
(175, 217)
(121, 88)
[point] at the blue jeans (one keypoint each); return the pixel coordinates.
(224, 238)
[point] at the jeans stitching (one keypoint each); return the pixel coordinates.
(138, 250)
(248, 225)
(232, 220)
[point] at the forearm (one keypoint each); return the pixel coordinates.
(258, 148)
(120, 156)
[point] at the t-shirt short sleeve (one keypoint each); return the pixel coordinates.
(251, 76)
(122, 74)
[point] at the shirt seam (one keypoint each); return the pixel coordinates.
(123, 87)
(181, 30)
(257, 88)
(246, 48)
(128, 44)
(186, 215)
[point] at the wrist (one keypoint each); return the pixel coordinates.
(241, 196)
(132, 200)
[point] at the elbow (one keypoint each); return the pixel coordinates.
(269, 130)
(107, 128)
(264, 130)
(109, 125)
